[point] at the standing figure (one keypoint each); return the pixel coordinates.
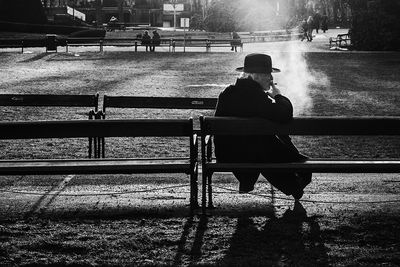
(235, 41)
(255, 95)
(317, 21)
(324, 23)
(146, 40)
(304, 30)
(310, 27)
(155, 41)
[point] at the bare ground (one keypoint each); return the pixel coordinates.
(343, 220)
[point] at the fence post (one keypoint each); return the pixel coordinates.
(101, 45)
(22, 46)
(135, 46)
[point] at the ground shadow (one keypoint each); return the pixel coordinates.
(293, 239)
(34, 58)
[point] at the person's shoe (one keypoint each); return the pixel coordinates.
(245, 188)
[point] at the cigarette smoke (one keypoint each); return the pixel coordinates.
(297, 79)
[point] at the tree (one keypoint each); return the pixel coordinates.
(243, 15)
(196, 22)
(221, 16)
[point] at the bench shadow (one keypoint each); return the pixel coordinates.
(291, 240)
(34, 58)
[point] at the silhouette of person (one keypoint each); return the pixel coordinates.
(255, 95)
(155, 41)
(146, 40)
(324, 23)
(235, 41)
(310, 28)
(304, 30)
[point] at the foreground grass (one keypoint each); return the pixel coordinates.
(337, 238)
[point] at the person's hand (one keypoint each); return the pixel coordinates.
(274, 90)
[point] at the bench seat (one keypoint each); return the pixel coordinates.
(315, 165)
(177, 128)
(95, 166)
(306, 126)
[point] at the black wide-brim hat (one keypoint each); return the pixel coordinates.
(258, 63)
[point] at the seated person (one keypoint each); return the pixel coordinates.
(255, 95)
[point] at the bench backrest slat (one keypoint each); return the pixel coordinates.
(158, 102)
(302, 126)
(49, 100)
(94, 128)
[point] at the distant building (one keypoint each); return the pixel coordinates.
(157, 13)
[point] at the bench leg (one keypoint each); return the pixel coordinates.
(204, 192)
(95, 147)
(103, 149)
(194, 189)
(90, 148)
(210, 200)
(98, 146)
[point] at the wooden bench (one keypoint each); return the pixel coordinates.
(81, 41)
(12, 43)
(117, 42)
(154, 103)
(42, 100)
(108, 128)
(330, 126)
(206, 43)
(342, 40)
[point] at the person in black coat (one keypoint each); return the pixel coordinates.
(324, 23)
(146, 40)
(155, 41)
(255, 95)
(304, 30)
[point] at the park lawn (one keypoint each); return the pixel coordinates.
(319, 84)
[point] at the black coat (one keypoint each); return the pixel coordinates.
(247, 99)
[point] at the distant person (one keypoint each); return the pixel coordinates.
(310, 27)
(112, 23)
(255, 95)
(317, 22)
(235, 41)
(155, 41)
(304, 30)
(146, 40)
(324, 23)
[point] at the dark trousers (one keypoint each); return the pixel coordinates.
(263, 149)
(285, 182)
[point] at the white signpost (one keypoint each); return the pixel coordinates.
(184, 24)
